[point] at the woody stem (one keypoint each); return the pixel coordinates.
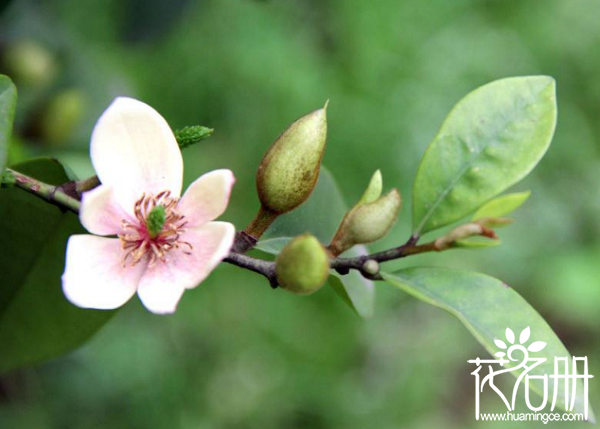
(59, 196)
(52, 194)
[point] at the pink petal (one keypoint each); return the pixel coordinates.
(94, 275)
(100, 213)
(163, 284)
(158, 293)
(206, 199)
(134, 151)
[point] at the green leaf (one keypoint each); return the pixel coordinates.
(490, 140)
(486, 306)
(356, 291)
(502, 205)
(273, 246)
(320, 215)
(8, 102)
(37, 323)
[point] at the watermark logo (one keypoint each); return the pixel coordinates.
(521, 357)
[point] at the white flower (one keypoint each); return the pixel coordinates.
(166, 244)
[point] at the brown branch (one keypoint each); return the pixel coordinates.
(260, 266)
(368, 265)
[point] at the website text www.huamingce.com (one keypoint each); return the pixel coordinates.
(533, 417)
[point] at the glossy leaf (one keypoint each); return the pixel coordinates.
(37, 323)
(8, 102)
(490, 140)
(486, 306)
(502, 205)
(320, 215)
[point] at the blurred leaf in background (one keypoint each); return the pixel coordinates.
(36, 322)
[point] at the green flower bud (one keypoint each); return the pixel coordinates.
(289, 171)
(191, 134)
(373, 191)
(302, 267)
(368, 221)
(371, 267)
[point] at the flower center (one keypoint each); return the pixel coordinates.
(156, 230)
(156, 221)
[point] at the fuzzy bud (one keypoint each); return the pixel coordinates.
(370, 220)
(302, 267)
(289, 171)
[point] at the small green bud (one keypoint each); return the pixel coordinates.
(368, 221)
(371, 267)
(289, 171)
(373, 191)
(190, 135)
(155, 221)
(302, 267)
(372, 221)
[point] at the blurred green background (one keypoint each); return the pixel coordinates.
(237, 354)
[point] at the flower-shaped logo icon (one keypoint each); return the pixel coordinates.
(523, 338)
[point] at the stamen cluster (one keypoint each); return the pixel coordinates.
(139, 242)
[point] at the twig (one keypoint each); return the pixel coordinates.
(341, 265)
(50, 193)
(260, 266)
(88, 184)
(357, 263)
(61, 196)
